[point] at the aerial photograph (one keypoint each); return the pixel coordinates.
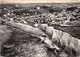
(40, 30)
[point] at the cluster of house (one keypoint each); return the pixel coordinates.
(41, 14)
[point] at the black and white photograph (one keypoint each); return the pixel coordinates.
(40, 30)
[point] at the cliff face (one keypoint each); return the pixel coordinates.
(26, 45)
(64, 38)
(72, 30)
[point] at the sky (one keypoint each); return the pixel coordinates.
(38, 1)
